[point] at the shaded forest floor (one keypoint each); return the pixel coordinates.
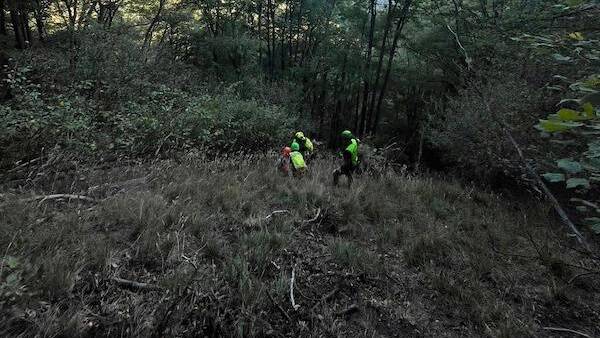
(212, 246)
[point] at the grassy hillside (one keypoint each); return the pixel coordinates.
(215, 244)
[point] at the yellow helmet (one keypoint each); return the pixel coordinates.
(299, 135)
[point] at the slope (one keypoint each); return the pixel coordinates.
(201, 247)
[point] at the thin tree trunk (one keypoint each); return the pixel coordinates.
(298, 26)
(153, 23)
(2, 18)
(388, 23)
(39, 22)
(399, 27)
(270, 47)
(259, 10)
(274, 39)
(17, 28)
(366, 79)
(322, 100)
(335, 118)
(357, 107)
(25, 26)
(282, 37)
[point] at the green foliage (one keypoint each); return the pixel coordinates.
(575, 128)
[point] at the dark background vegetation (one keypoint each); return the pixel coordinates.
(163, 114)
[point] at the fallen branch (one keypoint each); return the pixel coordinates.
(58, 196)
(468, 60)
(351, 309)
(277, 212)
(314, 218)
(560, 329)
(129, 284)
(583, 274)
(556, 205)
(294, 305)
(23, 165)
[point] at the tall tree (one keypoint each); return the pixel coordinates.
(388, 23)
(2, 17)
(366, 76)
(399, 26)
(17, 25)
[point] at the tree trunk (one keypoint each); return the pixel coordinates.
(399, 27)
(335, 118)
(273, 38)
(366, 79)
(259, 12)
(282, 38)
(322, 100)
(298, 26)
(388, 23)
(25, 27)
(39, 21)
(2, 18)
(17, 28)
(153, 23)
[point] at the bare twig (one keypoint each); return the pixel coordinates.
(58, 196)
(125, 283)
(22, 165)
(468, 59)
(351, 309)
(277, 212)
(294, 305)
(314, 218)
(560, 329)
(556, 205)
(583, 274)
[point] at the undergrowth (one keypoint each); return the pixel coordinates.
(215, 243)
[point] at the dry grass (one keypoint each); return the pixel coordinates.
(417, 256)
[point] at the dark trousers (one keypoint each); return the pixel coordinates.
(347, 170)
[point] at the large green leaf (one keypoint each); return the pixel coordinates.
(589, 110)
(554, 177)
(577, 182)
(551, 126)
(572, 115)
(570, 166)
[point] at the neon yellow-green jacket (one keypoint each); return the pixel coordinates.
(297, 160)
(352, 148)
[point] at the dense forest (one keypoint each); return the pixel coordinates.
(139, 194)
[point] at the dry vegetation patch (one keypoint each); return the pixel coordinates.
(208, 248)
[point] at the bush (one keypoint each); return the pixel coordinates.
(471, 135)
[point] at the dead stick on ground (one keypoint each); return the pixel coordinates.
(560, 329)
(135, 285)
(349, 310)
(294, 305)
(314, 218)
(276, 212)
(583, 274)
(561, 212)
(57, 196)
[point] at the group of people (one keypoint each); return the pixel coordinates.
(293, 158)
